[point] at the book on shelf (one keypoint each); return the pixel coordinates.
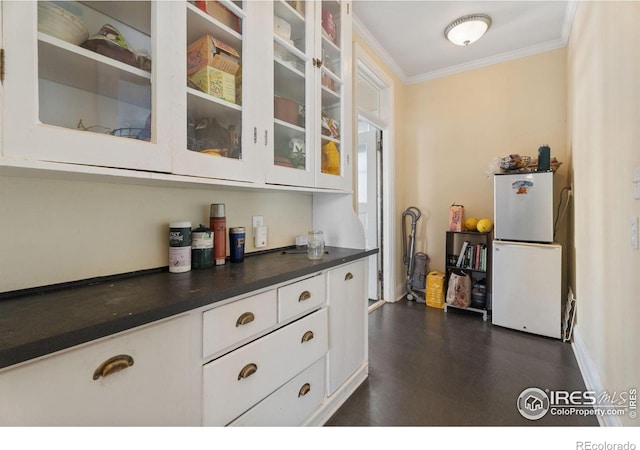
(463, 254)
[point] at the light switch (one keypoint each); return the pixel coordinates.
(636, 183)
(634, 233)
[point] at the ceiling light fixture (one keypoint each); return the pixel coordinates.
(468, 29)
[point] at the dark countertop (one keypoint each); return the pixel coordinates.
(45, 322)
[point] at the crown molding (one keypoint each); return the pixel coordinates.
(555, 44)
(484, 62)
(375, 46)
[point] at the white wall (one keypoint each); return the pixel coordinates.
(604, 143)
(61, 230)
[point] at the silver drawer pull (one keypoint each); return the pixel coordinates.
(113, 365)
(306, 295)
(245, 318)
(304, 390)
(247, 371)
(307, 336)
(348, 276)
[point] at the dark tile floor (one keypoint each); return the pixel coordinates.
(431, 368)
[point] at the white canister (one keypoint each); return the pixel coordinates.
(179, 247)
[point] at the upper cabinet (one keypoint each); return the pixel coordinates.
(82, 83)
(249, 91)
(309, 107)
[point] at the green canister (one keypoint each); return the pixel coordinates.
(202, 248)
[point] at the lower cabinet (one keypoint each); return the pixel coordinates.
(138, 378)
(238, 380)
(347, 322)
(285, 356)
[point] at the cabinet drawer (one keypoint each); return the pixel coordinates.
(62, 389)
(237, 321)
(302, 296)
(291, 404)
(235, 382)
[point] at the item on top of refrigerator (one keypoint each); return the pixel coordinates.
(515, 162)
(485, 225)
(456, 217)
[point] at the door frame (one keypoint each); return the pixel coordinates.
(364, 63)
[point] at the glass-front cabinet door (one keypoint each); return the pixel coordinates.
(333, 126)
(292, 48)
(214, 132)
(82, 83)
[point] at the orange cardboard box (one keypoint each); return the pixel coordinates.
(209, 51)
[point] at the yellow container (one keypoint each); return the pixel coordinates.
(435, 289)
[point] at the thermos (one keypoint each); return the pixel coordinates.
(236, 244)
(544, 159)
(202, 248)
(179, 247)
(218, 224)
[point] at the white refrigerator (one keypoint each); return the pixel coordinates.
(527, 265)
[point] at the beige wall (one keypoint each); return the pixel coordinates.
(457, 126)
(604, 137)
(400, 152)
(62, 230)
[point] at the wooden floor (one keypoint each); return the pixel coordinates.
(431, 368)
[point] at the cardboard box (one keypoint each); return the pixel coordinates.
(209, 51)
(216, 82)
(221, 13)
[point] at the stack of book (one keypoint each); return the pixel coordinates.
(472, 256)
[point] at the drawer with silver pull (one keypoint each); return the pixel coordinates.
(236, 322)
(238, 380)
(300, 297)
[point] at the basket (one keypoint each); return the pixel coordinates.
(60, 23)
(435, 290)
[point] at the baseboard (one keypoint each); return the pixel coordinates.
(333, 403)
(590, 374)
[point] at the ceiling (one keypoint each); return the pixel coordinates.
(409, 35)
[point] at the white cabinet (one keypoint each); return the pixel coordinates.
(238, 380)
(309, 49)
(347, 322)
(282, 71)
(66, 103)
(141, 378)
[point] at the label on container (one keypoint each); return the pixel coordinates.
(201, 240)
(179, 259)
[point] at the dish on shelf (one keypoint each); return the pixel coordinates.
(60, 23)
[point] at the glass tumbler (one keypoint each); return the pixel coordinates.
(315, 244)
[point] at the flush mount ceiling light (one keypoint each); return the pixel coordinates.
(468, 29)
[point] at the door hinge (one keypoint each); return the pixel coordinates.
(1, 65)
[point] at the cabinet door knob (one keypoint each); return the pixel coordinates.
(348, 276)
(245, 318)
(306, 295)
(247, 371)
(113, 365)
(304, 390)
(307, 336)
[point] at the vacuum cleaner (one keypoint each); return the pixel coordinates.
(416, 262)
